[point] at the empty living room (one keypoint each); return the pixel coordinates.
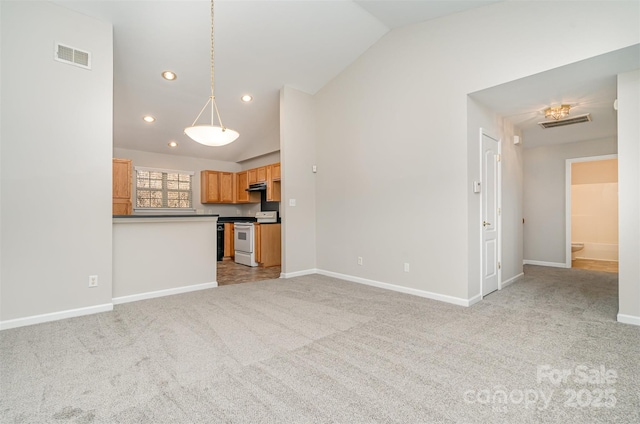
(384, 233)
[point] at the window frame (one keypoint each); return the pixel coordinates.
(165, 190)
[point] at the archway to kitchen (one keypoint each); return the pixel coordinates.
(250, 241)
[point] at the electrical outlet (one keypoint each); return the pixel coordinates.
(93, 281)
(406, 267)
(359, 260)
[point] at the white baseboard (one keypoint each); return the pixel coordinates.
(596, 259)
(512, 280)
(299, 273)
(475, 299)
(429, 295)
(55, 316)
(542, 263)
(161, 293)
(628, 319)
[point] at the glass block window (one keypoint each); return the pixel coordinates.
(163, 189)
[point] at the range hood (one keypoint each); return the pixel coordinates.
(257, 187)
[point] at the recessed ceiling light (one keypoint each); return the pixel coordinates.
(169, 75)
(148, 118)
(246, 98)
(173, 144)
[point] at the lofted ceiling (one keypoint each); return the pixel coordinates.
(259, 47)
(262, 45)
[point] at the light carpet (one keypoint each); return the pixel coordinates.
(315, 349)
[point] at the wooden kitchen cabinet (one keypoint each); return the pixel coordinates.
(122, 187)
(273, 183)
(257, 175)
(275, 171)
(262, 174)
(242, 184)
(226, 187)
(229, 250)
(268, 244)
(229, 187)
(216, 187)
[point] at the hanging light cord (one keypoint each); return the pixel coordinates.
(213, 97)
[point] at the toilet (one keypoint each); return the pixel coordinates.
(576, 247)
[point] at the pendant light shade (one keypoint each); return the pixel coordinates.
(211, 135)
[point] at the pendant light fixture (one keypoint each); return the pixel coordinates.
(211, 135)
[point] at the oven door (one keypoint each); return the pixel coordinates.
(243, 237)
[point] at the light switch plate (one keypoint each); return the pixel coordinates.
(292, 202)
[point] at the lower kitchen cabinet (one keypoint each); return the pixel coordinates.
(229, 250)
(268, 244)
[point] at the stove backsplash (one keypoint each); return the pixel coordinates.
(268, 206)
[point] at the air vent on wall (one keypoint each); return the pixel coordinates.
(578, 119)
(72, 56)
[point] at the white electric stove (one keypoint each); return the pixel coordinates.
(244, 238)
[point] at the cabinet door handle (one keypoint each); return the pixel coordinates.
(485, 223)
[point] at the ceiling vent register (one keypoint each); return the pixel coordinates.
(72, 56)
(578, 119)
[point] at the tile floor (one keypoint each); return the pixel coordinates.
(230, 272)
(592, 265)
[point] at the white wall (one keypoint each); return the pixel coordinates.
(629, 196)
(151, 255)
(298, 155)
(186, 163)
(56, 162)
(545, 196)
(394, 144)
(259, 161)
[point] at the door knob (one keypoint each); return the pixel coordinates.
(485, 223)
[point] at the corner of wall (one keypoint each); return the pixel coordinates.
(297, 156)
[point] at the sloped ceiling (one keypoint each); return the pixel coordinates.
(259, 47)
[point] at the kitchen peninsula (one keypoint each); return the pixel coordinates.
(159, 255)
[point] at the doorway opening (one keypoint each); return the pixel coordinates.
(592, 213)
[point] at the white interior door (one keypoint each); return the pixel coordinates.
(490, 214)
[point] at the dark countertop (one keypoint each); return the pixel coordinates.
(192, 215)
(245, 219)
(236, 219)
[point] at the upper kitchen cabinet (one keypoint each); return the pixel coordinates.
(229, 187)
(273, 182)
(275, 171)
(257, 175)
(216, 187)
(242, 184)
(122, 187)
